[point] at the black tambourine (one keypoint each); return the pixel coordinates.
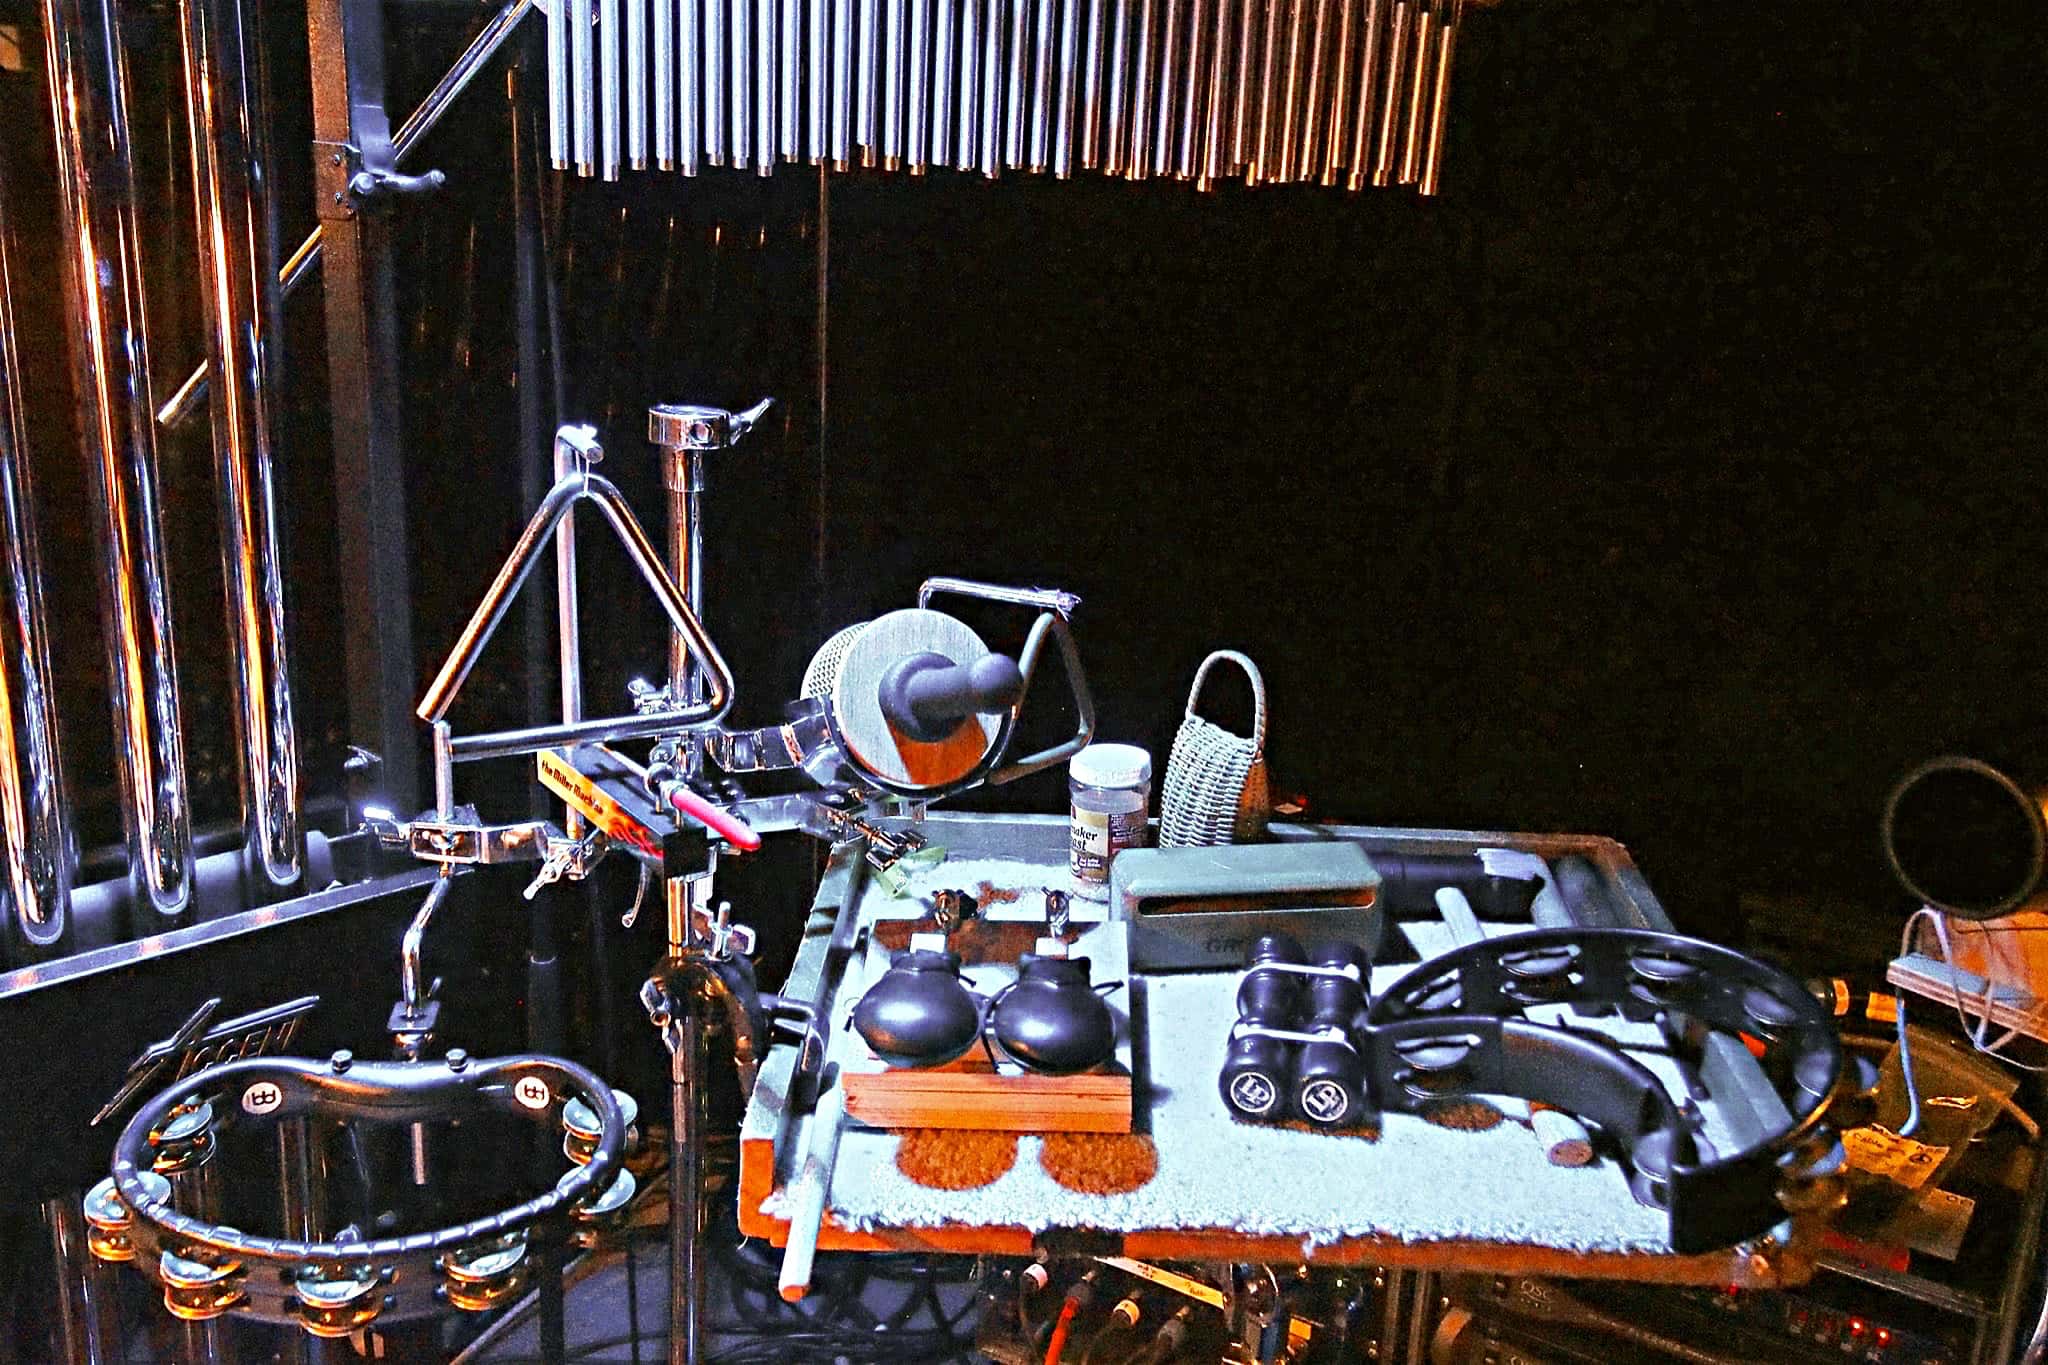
(331, 1288)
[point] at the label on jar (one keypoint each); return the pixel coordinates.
(1097, 836)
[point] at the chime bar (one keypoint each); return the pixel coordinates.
(1281, 92)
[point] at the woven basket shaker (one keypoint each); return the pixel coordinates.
(1215, 790)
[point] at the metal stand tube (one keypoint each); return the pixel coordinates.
(110, 371)
(689, 1041)
(345, 48)
(87, 1330)
(684, 473)
(196, 1191)
(230, 159)
(301, 1180)
(35, 821)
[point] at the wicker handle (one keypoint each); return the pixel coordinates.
(1258, 682)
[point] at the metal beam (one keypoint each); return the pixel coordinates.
(351, 130)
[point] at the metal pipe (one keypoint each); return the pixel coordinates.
(1418, 93)
(182, 404)
(1042, 599)
(558, 86)
(412, 946)
(664, 83)
(599, 730)
(1115, 134)
(740, 48)
(86, 60)
(818, 92)
(917, 132)
(892, 50)
(765, 61)
(301, 1181)
(1311, 144)
(942, 83)
(1336, 137)
(1014, 127)
(1214, 157)
(1363, 106)
(992, 88)
(689, 86)
(1440, 101)
(1091, 88)
(685, 565)
(196, 1192)
(230, 160)
(1262, 166)
(1045, 35)
(608, 88)
(35, 811)
(575, 448)
(790, 144)
(689, 1112)
(583, 67)
(1166, 137)
(1390, 109)
(714, 81)
(443, 745)
(866, 99)
(842, 84)
(636, 83)
(1290, 111)
(1241, 103)
(76, 1333)
(1063, 121)
(967, 140)
(560, 501)
(1139, 164)
(1189, 163)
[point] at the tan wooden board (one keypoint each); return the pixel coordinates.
(985, 1100)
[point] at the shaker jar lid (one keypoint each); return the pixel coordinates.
(1111, 765)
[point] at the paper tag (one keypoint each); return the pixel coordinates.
(1883, 1152)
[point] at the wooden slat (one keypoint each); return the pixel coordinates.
(986, 1100)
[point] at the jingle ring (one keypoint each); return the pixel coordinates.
(333, 1287)
(1647, 974)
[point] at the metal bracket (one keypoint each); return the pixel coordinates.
(1055, 606)
(346, 181)
(466, 839)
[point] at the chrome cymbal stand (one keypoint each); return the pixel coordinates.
(689, 978)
